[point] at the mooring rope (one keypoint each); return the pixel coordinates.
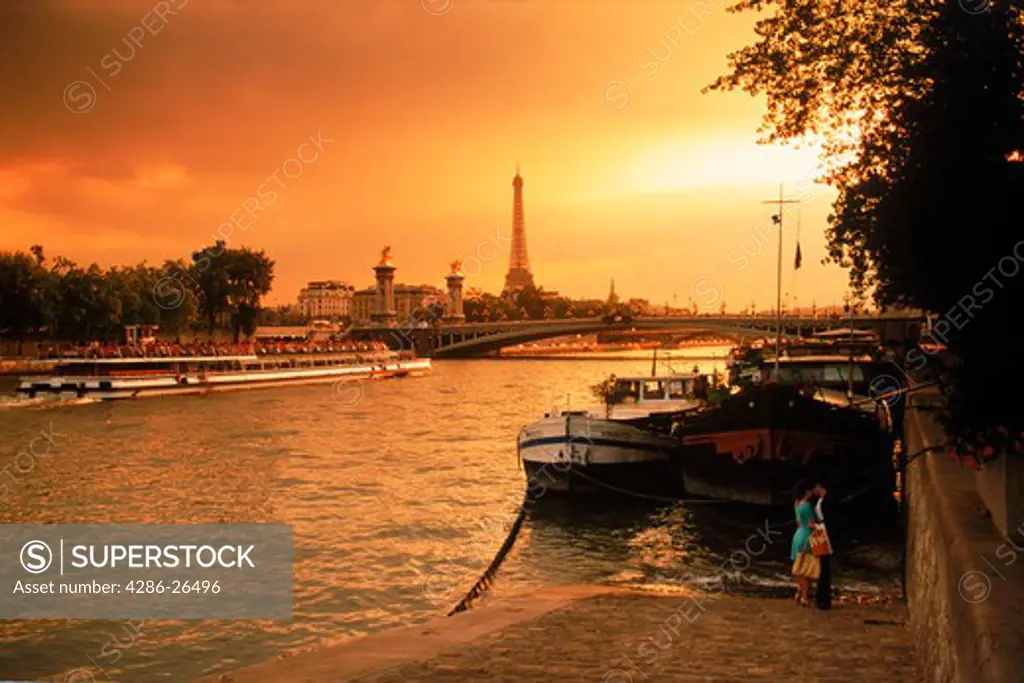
(646, 496)
(895, 393)
(487, 578)
(924, 451)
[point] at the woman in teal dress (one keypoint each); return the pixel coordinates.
(805, 521)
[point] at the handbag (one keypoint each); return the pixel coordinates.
(821, 544)
(807, 564)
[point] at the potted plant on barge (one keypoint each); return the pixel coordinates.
(608, 392)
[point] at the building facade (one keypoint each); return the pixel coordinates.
(364, 304)
(408, 298)
(330, 299)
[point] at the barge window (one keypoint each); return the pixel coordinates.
(654, 389)
(835, 375)
(676, 389)
(842, 373)
(629, 392)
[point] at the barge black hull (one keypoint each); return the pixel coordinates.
(758, 444)
(649, 478)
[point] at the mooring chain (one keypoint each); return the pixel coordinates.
(485, 580)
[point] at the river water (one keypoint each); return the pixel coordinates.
(399, 493)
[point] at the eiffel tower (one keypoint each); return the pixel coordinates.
(519, 275)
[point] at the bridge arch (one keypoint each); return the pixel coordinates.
(477, 339)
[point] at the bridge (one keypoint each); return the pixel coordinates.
(463, 340)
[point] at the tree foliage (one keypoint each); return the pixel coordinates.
(231, 283)
(609, 392)
(284, 315)
(531, 303)
(24, 293)
(65, 301)
(919, 107)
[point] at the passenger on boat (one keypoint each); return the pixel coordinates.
(159, 349)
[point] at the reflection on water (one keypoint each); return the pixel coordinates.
(398, 504)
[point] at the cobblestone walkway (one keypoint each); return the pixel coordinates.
(633, 638)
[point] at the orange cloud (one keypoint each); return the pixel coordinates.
(431, 111)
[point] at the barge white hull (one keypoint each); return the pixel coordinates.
(580, 452)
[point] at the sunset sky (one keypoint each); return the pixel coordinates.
(424, 109)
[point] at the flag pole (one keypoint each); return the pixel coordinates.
(778, 297)
(781, 201)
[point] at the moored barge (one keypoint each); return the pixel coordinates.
(756, 445)
(622, 448)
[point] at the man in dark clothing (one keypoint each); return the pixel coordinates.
(823, 511)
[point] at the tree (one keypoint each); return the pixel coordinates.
(209, 272)
(919, 104)
(231, 283)
(176, 294)
(24, 293)
(287, 315)
(250, 275)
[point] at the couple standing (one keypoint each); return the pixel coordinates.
(809, 516)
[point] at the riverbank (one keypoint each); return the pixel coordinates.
(614, 636)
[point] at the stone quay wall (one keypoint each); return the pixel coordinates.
(965, 576)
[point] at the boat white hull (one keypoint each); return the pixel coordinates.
(584, 453)
(166, 385)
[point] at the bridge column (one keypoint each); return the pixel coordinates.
(385, 314)
(453, 308)
(421, 341)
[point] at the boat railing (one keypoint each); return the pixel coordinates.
(96, 350)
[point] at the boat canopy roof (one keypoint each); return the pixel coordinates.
(846, 332)
(152, 359)
(662, 389)
(654, 378)
(822, 359)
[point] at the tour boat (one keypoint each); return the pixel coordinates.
(624, 447)
(115, 378)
